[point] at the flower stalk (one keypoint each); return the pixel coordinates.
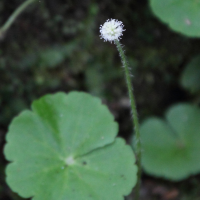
(13, 16)
(135, 116)
(111, 31)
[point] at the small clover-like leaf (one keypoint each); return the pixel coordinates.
(190, 75)
(65, 148)
(171, 148)
(181, 15)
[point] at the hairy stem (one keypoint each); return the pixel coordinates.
(135, 117)
(14, 15)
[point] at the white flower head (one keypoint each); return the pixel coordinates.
(111, 30)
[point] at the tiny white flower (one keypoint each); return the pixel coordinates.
(111, 30)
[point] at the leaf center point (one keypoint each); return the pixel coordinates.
(70, 160)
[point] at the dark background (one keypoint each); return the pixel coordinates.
(55, 46)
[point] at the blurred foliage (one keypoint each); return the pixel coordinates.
(190, 78)
(184, 15)
(176, 139)
(55, 46)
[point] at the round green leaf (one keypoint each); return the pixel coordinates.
(190, 78)
(171, 147)
(65, 148)
(181, 15)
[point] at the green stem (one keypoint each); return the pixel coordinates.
(135, 117)
(14, 15)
